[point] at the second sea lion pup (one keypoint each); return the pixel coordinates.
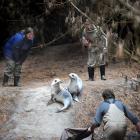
(75, 86)
(59, 94)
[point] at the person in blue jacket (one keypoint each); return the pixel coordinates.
(113, 113)
(16, 51)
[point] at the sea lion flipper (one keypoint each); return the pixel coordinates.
(62, 109)
(50, 102)
(75, 98)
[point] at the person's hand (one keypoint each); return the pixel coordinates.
(41, 46)
(91, 128)
(106, 64)
(85, 42)
(138, 127)
(105, 50)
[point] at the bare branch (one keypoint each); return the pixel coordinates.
(126, 4)
(51, 42)
(80, 11)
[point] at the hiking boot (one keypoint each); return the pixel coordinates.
(91, 73)
(16, 81)
(103, 77)
(102, 72)
(90, 79)
(5, 80)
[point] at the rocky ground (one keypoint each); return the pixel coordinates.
(23, 111)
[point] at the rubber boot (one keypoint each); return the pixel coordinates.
(91, 73)
(102, 72)
(16, 80)
(5, 80)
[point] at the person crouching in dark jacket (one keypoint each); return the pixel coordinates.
(16, 51)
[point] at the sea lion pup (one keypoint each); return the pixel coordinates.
(75, 86)
(61, 95)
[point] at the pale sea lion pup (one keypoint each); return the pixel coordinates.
(75, 86)
(61, 95)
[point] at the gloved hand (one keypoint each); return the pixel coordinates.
(105, 50)
(138, 127)
(85, 42)
(91, 128)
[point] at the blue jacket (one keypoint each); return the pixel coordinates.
(104, 106)
(17, 47)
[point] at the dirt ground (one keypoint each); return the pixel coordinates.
(23, 111)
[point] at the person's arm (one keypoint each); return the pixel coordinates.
(104, 44)
(84, 41)
(130, 115)
(101, 110)
(16, 49)
(132, 118)
(24, 51)
(24, 54)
